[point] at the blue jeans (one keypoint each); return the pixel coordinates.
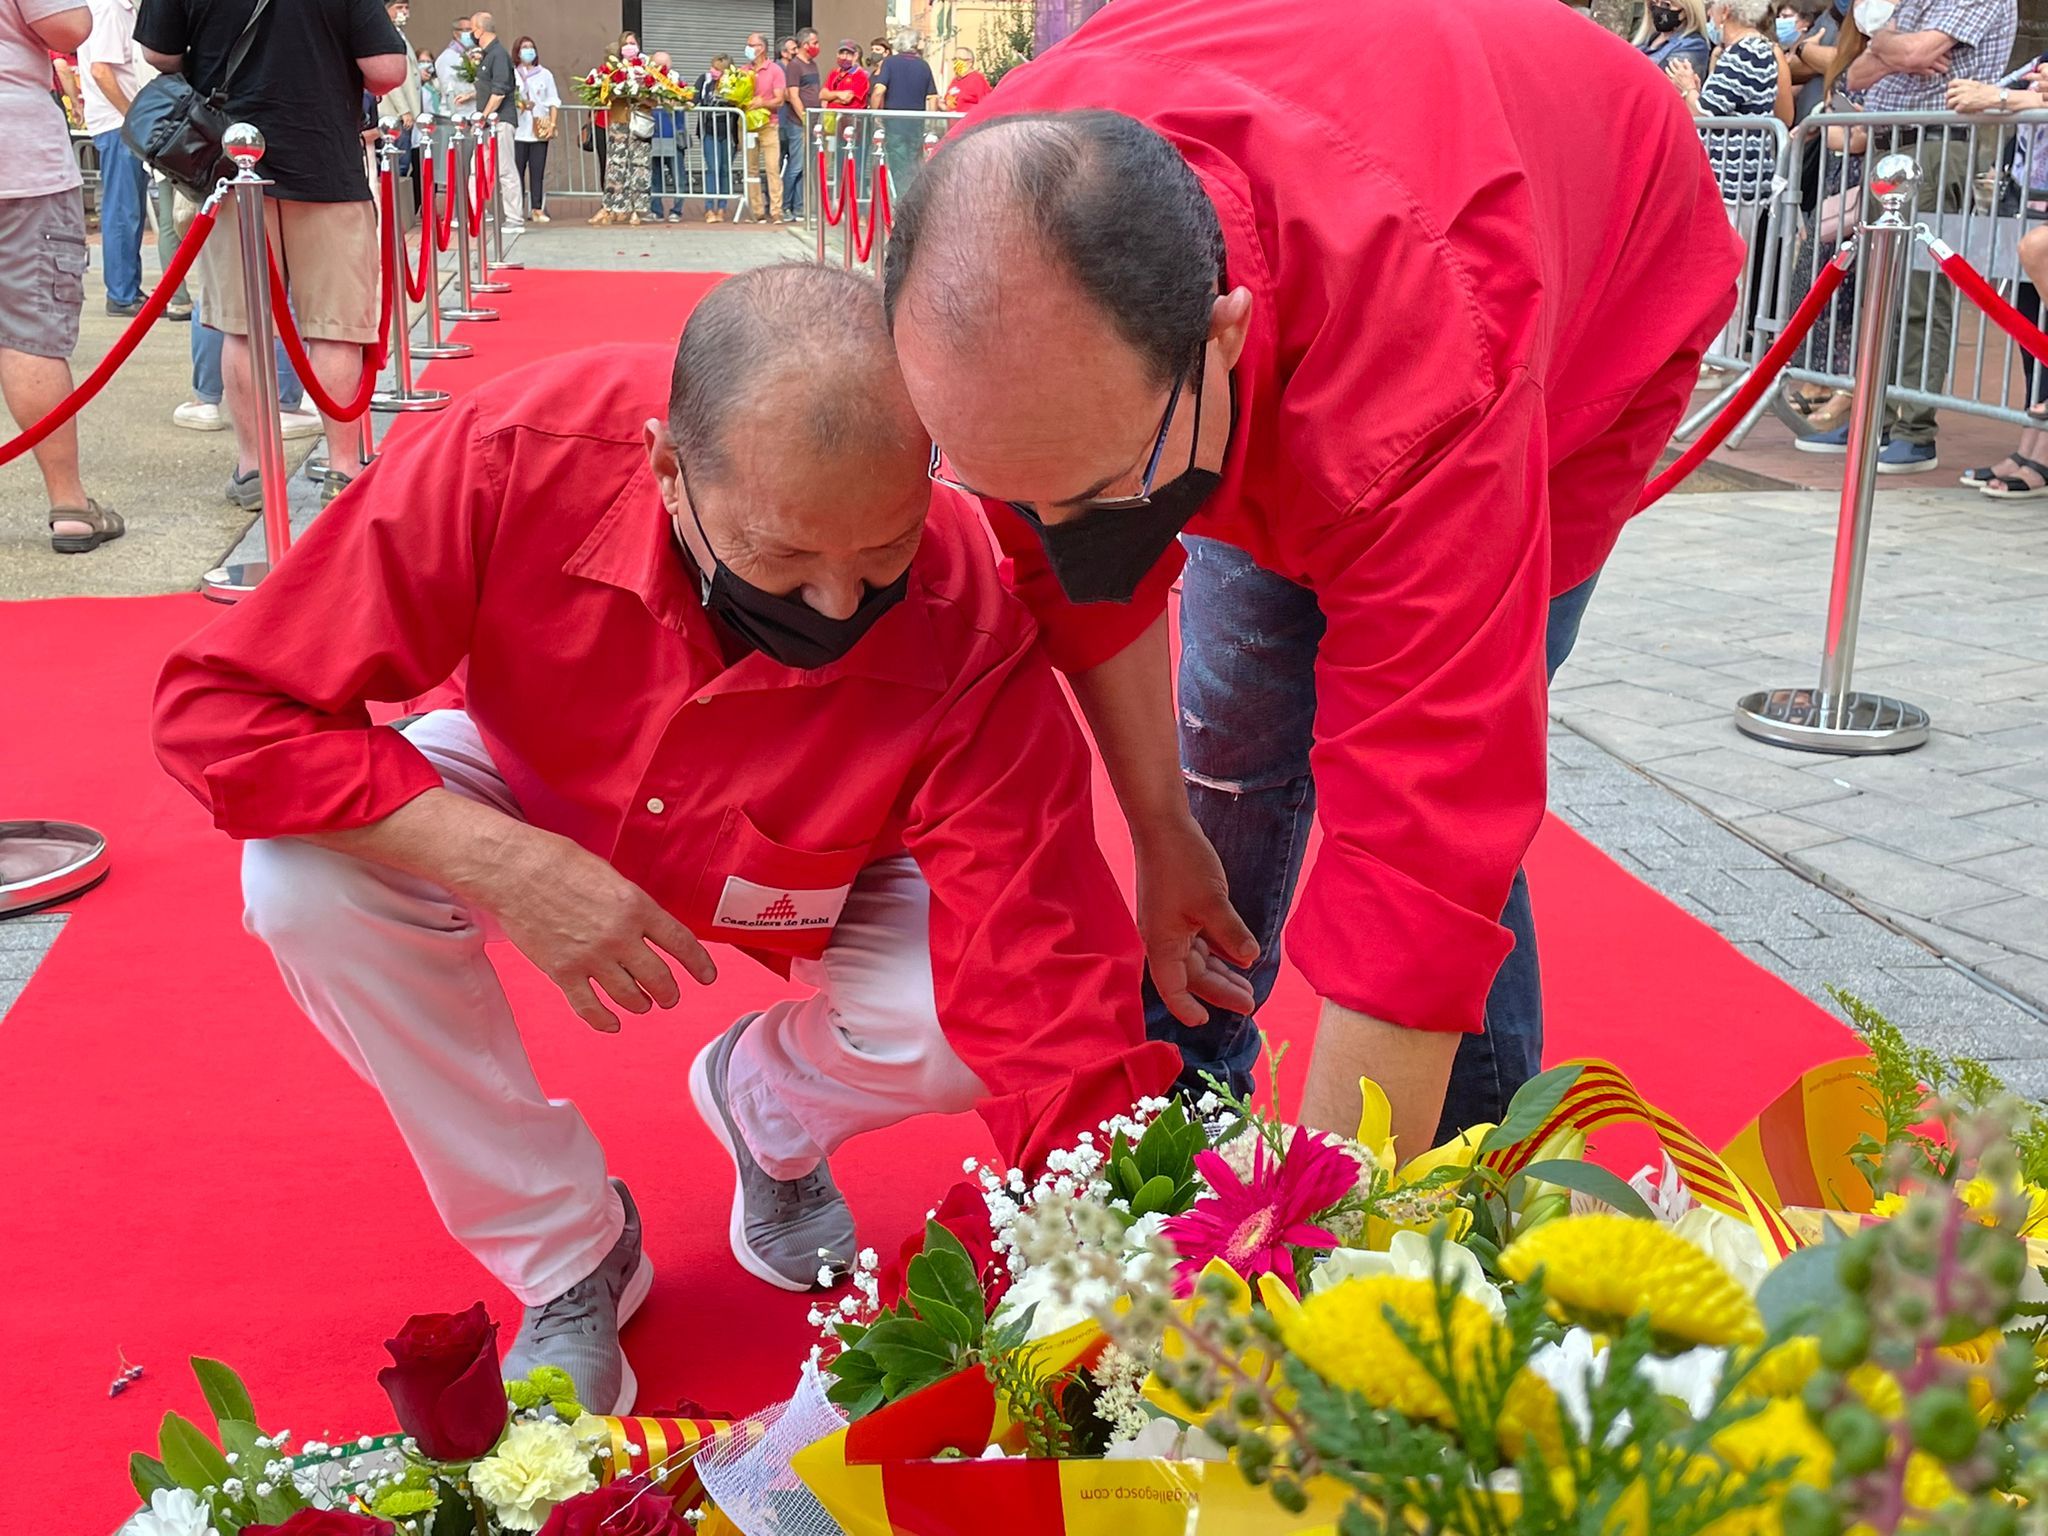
(793, 168)
(717, 166)
(1248, 652)
(206, 381)
(664, 171)
(124, 183)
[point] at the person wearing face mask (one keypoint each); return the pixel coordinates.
(724, 684)
(1815, 31)
(764, 123)
(719, 133)
(404, 102)
(628, 159)
(457, 93)
(540, 102)
(969, 85)
(1401, 389)
(1675, 30)
(806, 88)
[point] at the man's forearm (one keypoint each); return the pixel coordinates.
(109, 83)
(1412, 1065)
(442, 837)
(1128, 702)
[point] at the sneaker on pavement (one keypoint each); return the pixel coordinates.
(200, 416)
(125, 311)
(579, 1329)
(246, 491)
(1899, 457)
(332, 483)
(1836, 441)
(299, 424)
(783, 1231)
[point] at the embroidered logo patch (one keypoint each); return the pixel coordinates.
(743, 904)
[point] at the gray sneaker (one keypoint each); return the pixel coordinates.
(579, 1329)
(246, 491)
(783, 1231)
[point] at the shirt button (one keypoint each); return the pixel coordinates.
(656, 806)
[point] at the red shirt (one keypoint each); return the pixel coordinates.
(854, 80)
(522, 531)
(967, 91)
(1484, 257)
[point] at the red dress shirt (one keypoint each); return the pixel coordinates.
(523, 532)
(1484, 258)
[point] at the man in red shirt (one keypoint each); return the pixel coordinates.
(701, 702)
(969, 85)
(1399, 345)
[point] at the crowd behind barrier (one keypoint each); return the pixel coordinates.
(844, 149)
(1982, 193)
(705, 159)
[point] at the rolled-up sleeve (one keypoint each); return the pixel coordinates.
(263, 715)
(1429, 745)
(1035, 960)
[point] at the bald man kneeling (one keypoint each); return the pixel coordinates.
(724, 681)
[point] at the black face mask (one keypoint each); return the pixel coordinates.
(1666, 18)
(784, 628)
(1103, 556)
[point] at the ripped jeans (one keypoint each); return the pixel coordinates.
(1248, 652)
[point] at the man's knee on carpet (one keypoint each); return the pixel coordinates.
(310, 902)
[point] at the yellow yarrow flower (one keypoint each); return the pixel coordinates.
(1343, 1335)
(1612, 1268)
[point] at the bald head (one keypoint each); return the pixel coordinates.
(1091, 208)
(484, 21)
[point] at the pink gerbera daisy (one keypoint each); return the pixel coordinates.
(1252, 1225)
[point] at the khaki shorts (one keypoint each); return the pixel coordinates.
(42, 281)
(327, 253)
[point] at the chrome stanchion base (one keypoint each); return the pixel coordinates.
(446, 349)
(465, 314)
(1860, 723)
(490, 287)
(507, 266)
(43, 863)
(418, 400)
(232, 583)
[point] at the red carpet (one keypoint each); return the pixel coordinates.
(189, 1169)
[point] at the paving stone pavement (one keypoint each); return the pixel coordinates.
(1711, 596)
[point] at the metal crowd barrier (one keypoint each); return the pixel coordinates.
(683, 169)
(907, 138)
(1977, 174)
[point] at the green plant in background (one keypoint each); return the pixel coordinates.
(1008, 39)
(245, 1479)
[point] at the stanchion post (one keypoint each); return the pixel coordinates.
(498, 261)
(486, 135)
(931, 143)
(849, 218)
(403, 396)
(1833, 717)
(820, 170)
(230, 583)
(878, 228)
(467, 309)
(437, 346)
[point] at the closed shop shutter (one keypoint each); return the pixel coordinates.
(691, 31)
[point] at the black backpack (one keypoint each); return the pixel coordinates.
(178, 131)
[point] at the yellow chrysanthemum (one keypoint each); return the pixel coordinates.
(1785, 1371)
(1977, 1197)
(1342, 1334)
(1611, 1268)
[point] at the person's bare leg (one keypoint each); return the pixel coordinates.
(237, 394)
(1412, 1065)
(34, 387)
(340, 367)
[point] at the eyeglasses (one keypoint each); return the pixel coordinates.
(1103, 503)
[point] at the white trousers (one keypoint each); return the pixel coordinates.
(392, 969)
(511, 195)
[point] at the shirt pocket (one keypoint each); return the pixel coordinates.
(762, 894)
(68, 261)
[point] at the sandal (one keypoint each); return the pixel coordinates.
(105, 523)
(2018, 487)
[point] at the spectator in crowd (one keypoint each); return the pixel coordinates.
(64, 89)
(404, 102)
(431, 102)
(785, 52)
(164, 193)
(764, 121)
(203, 413)
(904, 85)
(457, 94)
(42, 235)
(718, 135)
(1672, 30)
(320, 56)
(847, 86)
(498, 86)
(540, 105)
(969, 85)
(1815, 27)
(109, 78)
(878, 55)
(806, 85)
(1832, 212)
(1907, 65)
(628, 165)
(665, 155)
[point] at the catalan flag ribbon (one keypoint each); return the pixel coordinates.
(1603, 1095)
(666, 1449)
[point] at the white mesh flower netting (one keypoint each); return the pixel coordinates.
(748, 1474)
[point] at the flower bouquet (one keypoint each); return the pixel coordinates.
(638, 83)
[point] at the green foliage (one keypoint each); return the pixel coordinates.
(1534, 1102)
(237, 1492)
(1036, 1403)
(1007, 39)
(225, 1395)
(148, 1475)
(1157, 1175)
(1591, 1179)
(937, 1328)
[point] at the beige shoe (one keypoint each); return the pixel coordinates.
(635, 219)
(602, 216)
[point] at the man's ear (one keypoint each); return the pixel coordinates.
(662, 461)
(1230, 322)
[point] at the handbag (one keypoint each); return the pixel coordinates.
(178, 132)
(641, 123)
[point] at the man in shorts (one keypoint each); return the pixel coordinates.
(320, 56)
(42, 278)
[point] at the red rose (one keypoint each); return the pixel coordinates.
(626, 1508)
(323, 1522)
(445, 1385)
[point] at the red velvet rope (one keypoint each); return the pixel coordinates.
(478, 186)
(446, 227)
(119, 353)
(416, 283)
(878, 214)
(1986, 298)
(833, 208)
(374, 356)
(1761, 377)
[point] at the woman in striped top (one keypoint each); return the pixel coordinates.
(1749, 78)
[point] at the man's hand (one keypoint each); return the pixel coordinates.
(1973, 96)
(1189, 927)
(581, 921)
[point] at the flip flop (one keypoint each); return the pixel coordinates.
(105, 523)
